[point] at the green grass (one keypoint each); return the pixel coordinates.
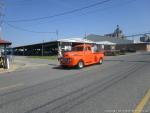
(44, 57)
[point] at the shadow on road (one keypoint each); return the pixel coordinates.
(63, 68)
(55, 66)
(72, 68)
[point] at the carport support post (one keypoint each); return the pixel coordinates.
(23, 51)
(58, 43)
(57, 47)
(5, 57)
(43, 48)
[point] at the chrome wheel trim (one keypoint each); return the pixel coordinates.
(100, 61)
(80, 64)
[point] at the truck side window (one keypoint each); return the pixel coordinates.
(89, 49)
(86, 49)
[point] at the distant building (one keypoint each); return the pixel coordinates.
(118, 33)
(99, 38)
(3, 45)
(113, 41)
(48, 48)
(145, 38)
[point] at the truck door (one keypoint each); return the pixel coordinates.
(88, 55)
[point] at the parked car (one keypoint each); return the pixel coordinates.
(131, 50)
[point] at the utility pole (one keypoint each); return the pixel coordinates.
(5, 62)
(57, 33)
(1, 16)
(58, 44)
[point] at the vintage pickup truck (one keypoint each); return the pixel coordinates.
(80, 56)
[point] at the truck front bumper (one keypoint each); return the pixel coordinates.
(67, 62)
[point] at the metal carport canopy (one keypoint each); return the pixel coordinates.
(78, 40)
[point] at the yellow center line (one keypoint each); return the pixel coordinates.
(142, 103)
(11, 86)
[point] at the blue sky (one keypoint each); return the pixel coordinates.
(133, 16)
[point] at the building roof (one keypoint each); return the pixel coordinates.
(37, 44)
(99, 38)
(105, 43)
(2, 42)
(78, 40)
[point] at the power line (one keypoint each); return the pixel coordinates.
(26, 30)
(99, 10)
(23, 29)
(115, 5)
(61, 14)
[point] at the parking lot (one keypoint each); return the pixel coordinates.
(42, 86)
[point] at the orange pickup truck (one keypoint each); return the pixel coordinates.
(80, 56)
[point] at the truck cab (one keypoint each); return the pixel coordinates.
(80, 56)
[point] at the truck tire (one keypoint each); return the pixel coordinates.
(62, 66)
(100, 61)
(80, 64)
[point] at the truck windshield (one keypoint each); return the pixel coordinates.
(77, 49)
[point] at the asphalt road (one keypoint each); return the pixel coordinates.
(118, 84)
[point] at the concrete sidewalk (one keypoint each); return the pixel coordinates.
(13, 67)
(33, 63)
(24, 63)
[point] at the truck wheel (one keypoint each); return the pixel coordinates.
(80, 64)
(100, 61)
